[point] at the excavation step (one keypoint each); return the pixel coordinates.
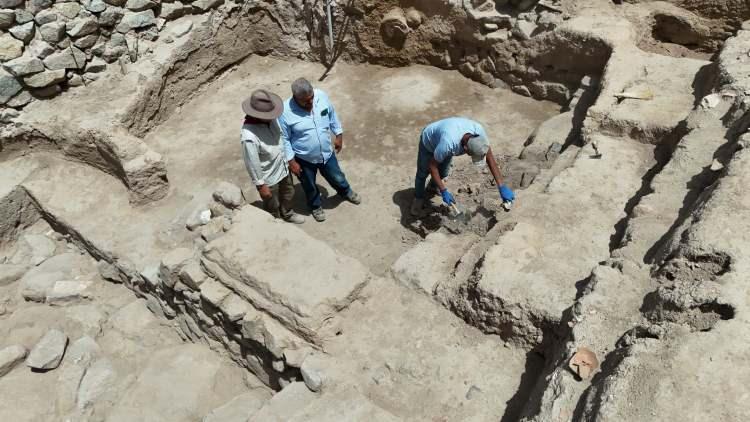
(525, 282)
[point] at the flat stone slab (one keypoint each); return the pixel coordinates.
(49, 351)
(283, 271)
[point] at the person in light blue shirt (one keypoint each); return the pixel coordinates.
(438, 144)
(306, 124)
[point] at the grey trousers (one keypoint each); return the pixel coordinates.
(280, 203)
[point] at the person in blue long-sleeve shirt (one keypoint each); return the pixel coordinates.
(308, 120)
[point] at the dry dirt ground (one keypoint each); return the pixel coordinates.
(382, 111)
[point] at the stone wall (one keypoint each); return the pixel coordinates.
(47, 46)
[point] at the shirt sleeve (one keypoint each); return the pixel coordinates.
(252, 161)
(334, 119)
(442, 151)
(285, 138)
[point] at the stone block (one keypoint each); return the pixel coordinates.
(49, 351)
(10, 48)
(24, 33)
(279, 282)
(45, 79)
(172, 264)
(9, 86)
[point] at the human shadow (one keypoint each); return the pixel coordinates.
(419, 225)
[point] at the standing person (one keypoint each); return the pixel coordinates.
(265, 156)
(439, 142)
(306, 126)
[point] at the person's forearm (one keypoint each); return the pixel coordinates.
(492, 164)
(435, 173)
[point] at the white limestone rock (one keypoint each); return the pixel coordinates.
(49, 351)
(227, 193)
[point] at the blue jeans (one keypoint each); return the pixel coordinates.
(423, 169)
(330, 171)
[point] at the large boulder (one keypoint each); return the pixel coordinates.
(49, 351)
(10, 48)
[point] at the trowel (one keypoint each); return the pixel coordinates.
(457, 213)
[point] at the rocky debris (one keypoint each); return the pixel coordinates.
(238, 409)
(10, 48)
(7, 18)
(52, 32)
(206, 5)
(67, 291)
(70, 58)
(46, 16)
(96, 65)
(9, 86)
(312, 376)
(94, 6)
(172, 264)
(48, 352)
(524, 30)
(136, 20)
(174, 10)
(111, 16)
(198, 217)
(82, 26)
(192, 275)
(45, 79)
(23, 16)
(140, 5)
(394, 26)
(86, 42)
(24, 65)
(215, 228)
(23, 32)
(9, 4)
(35, 286)
(10, 357)
(10, 273)
(40, 49)
(228, 194)
(284, 404)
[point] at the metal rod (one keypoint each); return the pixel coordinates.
(330, 24)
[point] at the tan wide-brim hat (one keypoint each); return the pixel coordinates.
(263, 105)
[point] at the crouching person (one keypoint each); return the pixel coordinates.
(264, 155)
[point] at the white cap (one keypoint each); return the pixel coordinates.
(477, 148)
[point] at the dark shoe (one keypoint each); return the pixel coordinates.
(319, 215)
(354, 198)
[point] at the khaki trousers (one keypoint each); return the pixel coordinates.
(280, 203)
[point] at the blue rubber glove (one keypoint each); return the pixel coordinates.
(506, 194)
(447, 197)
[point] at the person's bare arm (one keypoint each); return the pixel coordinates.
(338, 142)
(492, 164)
(435, 173)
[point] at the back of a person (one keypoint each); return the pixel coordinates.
(450, 129)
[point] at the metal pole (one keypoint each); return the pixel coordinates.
(330, 24)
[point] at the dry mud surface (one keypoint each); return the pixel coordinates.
(614, 289)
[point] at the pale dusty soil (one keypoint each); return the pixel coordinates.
(382, 111)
